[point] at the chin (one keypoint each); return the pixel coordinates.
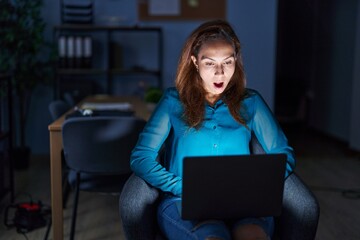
(218, 91)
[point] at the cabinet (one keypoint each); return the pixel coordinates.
(6, 169)
(111, 56)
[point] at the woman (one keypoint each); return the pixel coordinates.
(210, 112)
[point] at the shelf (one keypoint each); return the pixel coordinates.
(132, 71)
(105, 67)
(92, 27)
(79, 71)
(92, 71)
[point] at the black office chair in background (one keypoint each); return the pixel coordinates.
(298, 221)
(57, 108)
(97, 151)
(69, 99)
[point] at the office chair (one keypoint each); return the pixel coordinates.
(97, 151)
(298, 221)
(69, 99)
(57, 108)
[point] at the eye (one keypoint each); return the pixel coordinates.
(209, 64)
(229, 62)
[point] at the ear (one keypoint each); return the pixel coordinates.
(193, 58)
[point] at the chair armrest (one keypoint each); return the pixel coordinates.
(300, 213)
(137, 205)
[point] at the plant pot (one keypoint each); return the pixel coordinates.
(21, 158)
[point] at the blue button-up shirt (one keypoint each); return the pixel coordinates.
(219, 134)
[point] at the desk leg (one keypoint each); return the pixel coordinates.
(56, 184)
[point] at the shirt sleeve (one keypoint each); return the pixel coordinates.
(144, 156)
(269, 132)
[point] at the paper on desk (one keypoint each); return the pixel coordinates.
(121, 106)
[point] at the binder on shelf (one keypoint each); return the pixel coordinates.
(70, 51)
(79, 52)
(87, 44)
(62, 51)
(75, 52)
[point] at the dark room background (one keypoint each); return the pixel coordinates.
(302, 56)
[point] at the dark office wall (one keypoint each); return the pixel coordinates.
(294, 57)
(315, 63)
(332, 81)
(254, 22)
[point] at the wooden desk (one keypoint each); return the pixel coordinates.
(56, 145)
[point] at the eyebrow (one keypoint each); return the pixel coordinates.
(205, 57)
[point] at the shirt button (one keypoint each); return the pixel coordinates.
(214, 127)
(215, 145)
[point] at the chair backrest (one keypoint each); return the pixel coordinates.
(58, 108)
(69, 99)
(101, 144)
(255, 146)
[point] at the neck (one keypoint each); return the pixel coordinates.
(212, 99)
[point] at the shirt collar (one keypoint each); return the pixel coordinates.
(218, 104)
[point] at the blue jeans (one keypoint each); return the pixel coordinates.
(174, 227)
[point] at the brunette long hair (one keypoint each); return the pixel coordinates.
(189, 83)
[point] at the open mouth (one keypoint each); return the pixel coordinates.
(218, 85)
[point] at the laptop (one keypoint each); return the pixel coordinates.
(233, 187)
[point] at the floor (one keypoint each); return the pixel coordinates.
(98, 215)
(325, 164)
(332, 171)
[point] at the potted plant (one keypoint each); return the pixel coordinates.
(152, 97)
(23, 54)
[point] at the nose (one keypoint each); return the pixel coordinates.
(219, 69)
